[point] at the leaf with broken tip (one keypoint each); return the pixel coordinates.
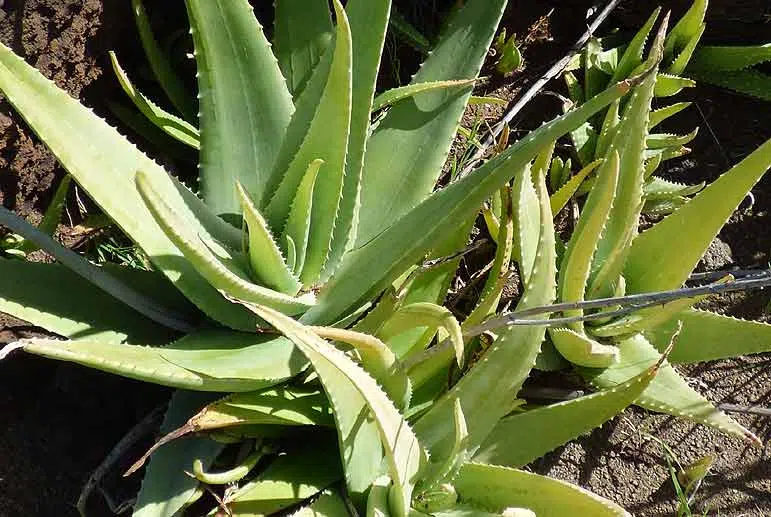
(668, 392)
(265, 257)
(172, 125)
(221, 274)
(242, 121)
(707, 336)
(166, 488)
(653, 263)
(495, 488)
(486, 388)
(109, 177)
(326, 138)
(302, 32)
(338, 374)
(711, 59)
(422, 128)
(298, 223)
(523, 437)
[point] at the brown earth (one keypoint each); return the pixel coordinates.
(61, 420)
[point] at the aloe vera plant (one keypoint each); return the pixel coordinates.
(306, 279)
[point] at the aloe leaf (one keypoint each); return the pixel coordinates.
(685, 29)
(658, 116)
(302, 31)
(377, 500)
(394, 95)
(97, 316)
(665, 140)
(684, 56)
(595, 79)
(298, 224)
(496, 488)
(377, 359)
(338, 374)
(264, 255)
(609, 129)
(644, 319)
(668, 85)
(633, 55)
(560, 198)
(242, 121)
(329, 504)
(706, 336)
(172, 125)
(439, 216)
(99, 277)
(527, 222)
(448, 469)
(629, 142)
(166, 488)
(523, 437)
(668, 392)
(422, 128)
(748, 82)
(425, 314)
(52, 215)
(304, 471)
(326, 139)
(654, 264)
(159, 63)
(582, 350)
(109, 177)
(485, 390)
(369, 23)
(659, 188)
(220, 273)
(728, 59)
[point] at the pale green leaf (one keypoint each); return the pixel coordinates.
(298, 223)
(394, 95)
(329, 504)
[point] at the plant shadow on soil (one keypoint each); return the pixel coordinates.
(61, 420)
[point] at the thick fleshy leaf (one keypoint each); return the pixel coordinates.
(487, 389)
(394, 95)
(633, 55)
(159, 63)
(242, 120)
(654, 264)
(748, 82)
(437, 218)
(166, 488)
(728, 59)
(658, 116)
(668, 392)
(214, 264)
(369, 22)
(338, 373)
(329, 504)
(108, 177)
(495, 488)
(171, 124)
(298, 224)
(523, 437)
(302, 31)
(326, 139)
(582, 350)
(668, 85)
(422, 128)
(27, 294)
(684, 56)
(560, 198)
(305, 470)
(706, 336)
(685, 29)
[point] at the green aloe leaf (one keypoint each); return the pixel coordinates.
(486, 390)
(422, 128)
(27, 295)
(170, 124)
(668, 392)
(369, 23)
(706, 336)
(668, 85)
(523, 437)
(748, 82)
(728, 59)
(242, 121)
(560, 198)
(305, 470)
(684, 56)
(166, 488)
(658, 116)
(394, 95)
(338, 373)
(654, 264)
(437, 218)
(298, 224)
(64, 124)
(329, 504)
(221, 272)
(685, 29)
(633, 55)
(159, 63)
(659, 188)
(326, 139)
(302, 32)
(52, 215)
(494, 488)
